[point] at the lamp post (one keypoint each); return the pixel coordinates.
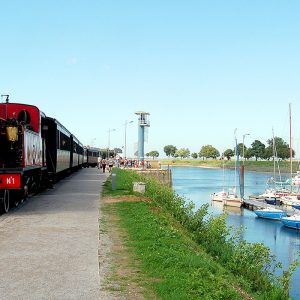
(93, 142)
(125, 145)
(109, 131)
(242, 169)
(244, 146)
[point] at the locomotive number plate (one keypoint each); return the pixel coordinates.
(10, 181)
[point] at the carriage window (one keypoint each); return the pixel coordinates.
(64, 142)
(79, 149)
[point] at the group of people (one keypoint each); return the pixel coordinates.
(105, 164)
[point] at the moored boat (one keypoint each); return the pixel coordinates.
(219, 196)
(270, 213)
(292, 221)
(232, 199)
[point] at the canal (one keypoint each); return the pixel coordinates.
(196, 184)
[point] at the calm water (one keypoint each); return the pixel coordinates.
(196, 184)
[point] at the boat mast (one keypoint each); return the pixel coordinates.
(291, 150)
(274, 162)
(223, 171)
(236, 166)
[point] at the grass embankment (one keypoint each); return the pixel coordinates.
(187, 255)
(250, 165)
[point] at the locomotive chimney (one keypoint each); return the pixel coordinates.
(7, 98)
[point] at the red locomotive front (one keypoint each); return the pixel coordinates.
(22, 150)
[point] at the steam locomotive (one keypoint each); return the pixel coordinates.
(35, 151)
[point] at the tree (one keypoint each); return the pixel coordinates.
(208, 151)
(183, 153)
(118, 150)
(258, 149)
(103, 153)
(268, 153)
(240, 149)
(153, 153)
(170, 150)
(282, 149)
(194, 155)
(249, 153)
(228, 153)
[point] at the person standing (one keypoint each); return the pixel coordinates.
(103, 164)
(99, 162)
(110, 164)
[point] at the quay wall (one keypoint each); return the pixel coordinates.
(163, 176)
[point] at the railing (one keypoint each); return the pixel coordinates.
(144, 122)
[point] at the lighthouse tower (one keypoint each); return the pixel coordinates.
(142, 123)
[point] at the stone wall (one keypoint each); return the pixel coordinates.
(163, 176)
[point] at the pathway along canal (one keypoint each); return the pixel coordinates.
(196, 184)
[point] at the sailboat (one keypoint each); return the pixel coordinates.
(219, 196)
(272, 195)
(233, 198)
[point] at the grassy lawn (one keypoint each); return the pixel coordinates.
(180, 255)
(175, 266)
(259, 166)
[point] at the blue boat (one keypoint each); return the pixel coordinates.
(292, 221)
(270, 213)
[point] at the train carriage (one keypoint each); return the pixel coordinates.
(58, 145)
(92, 156)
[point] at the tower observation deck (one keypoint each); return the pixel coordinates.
(142, 123)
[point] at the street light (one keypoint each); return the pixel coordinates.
(109, 131)
(92, 143)
(244, 146)
(125, 146)
(242, 169)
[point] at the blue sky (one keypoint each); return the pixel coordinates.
(200, 68)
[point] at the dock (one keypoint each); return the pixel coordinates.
(253, 204)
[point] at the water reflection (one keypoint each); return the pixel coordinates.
(196, 184)
(219, 206)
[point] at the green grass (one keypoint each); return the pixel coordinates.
(190, 255)
(176, 268)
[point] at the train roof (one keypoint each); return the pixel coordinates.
(26, 113)
(93, 148)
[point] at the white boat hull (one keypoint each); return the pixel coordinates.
(233, 202)
(219, 196)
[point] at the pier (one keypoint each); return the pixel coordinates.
(253, 204)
